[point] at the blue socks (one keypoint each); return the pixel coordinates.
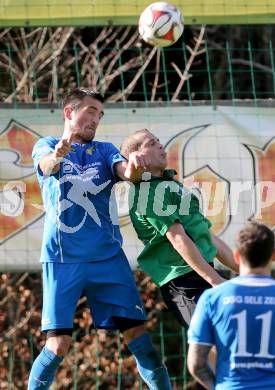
(150, 367)
(43, 370)
(149, 364)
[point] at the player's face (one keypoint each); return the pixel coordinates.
(151, 146)
(85, 119)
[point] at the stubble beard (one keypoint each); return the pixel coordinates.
(82, 138)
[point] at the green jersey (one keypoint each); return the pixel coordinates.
(154, 206)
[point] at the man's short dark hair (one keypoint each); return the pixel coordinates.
(255, 242)
(74, 96)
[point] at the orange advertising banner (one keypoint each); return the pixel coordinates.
(225, 154)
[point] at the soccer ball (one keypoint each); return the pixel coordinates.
(160, 24)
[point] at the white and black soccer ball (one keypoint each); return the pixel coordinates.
(161, 24)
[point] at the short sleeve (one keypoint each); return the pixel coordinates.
(201, 329)
(112, 156)
(162, 211)
(42, 147)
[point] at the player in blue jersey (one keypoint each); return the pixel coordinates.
(238, 317)
(82, 246)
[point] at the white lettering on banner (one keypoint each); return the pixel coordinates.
(236, 188)
(234, 152)
(16, 202)
(143, 197)
(159, 196)
(183, 209)
(120, 200)
(11, 199)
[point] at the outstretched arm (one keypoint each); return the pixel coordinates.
(191, 255)
(132, 169)
(225, 254)
(198, 366)
(50, 163)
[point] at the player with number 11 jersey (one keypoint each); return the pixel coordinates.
(239, 318)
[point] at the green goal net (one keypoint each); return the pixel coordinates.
(207, 63)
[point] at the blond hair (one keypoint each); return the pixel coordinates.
(131, 143)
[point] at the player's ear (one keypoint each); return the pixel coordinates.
(68, 112)
(237, 256)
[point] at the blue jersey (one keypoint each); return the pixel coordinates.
(79, 203)
(238, 316)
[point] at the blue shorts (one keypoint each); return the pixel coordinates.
(109, 286)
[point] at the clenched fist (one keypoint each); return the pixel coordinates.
(139, 160)
(62, 148)
(50, 164)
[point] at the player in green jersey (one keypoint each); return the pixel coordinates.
(179, 247)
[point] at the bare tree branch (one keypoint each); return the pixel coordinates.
(124, 94)
(194, 53)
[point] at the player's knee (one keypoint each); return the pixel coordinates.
(133, 333)
(59, 344)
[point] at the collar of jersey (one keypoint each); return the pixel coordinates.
(255, 276)
(83, 145)
(168, 174)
